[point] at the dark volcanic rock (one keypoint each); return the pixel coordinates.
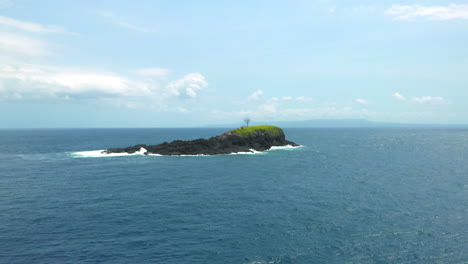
(227, 143)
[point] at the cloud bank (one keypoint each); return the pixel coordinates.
(42, 81)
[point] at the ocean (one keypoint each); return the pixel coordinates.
(387, 195)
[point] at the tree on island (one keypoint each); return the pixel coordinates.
(247, 121)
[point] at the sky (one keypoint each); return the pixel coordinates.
(195, 63)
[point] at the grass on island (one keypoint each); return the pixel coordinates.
(274, 130)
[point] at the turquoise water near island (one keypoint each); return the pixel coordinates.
(388, 195)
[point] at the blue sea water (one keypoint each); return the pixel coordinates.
(347, 196)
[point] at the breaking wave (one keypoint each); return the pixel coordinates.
(284, 147)
(101, 154)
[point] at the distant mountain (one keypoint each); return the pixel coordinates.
(337, 123)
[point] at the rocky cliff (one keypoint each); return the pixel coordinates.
(248, 139)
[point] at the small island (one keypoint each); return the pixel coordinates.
(244, 139)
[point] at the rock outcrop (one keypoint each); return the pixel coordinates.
(258, 138)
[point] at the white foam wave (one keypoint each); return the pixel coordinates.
(252, 151)
(197, 155)
(289, 147)
(101, 153)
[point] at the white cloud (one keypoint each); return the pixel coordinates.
(398, 96)
(122, 21)
(105, 82)
(256, 95)
(429, 99)
(22, 45)
(189, 85)
(28, 81)
(407, 12)
(361, 101)
(39, 81)
(304, 99)
(29, 26)
(286, 98)
(158, 73)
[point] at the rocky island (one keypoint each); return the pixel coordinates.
(244, 139)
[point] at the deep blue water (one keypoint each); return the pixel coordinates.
(347, 196)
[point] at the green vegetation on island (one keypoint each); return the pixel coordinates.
(273, 130)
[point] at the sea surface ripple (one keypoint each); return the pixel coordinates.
(346, 196)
